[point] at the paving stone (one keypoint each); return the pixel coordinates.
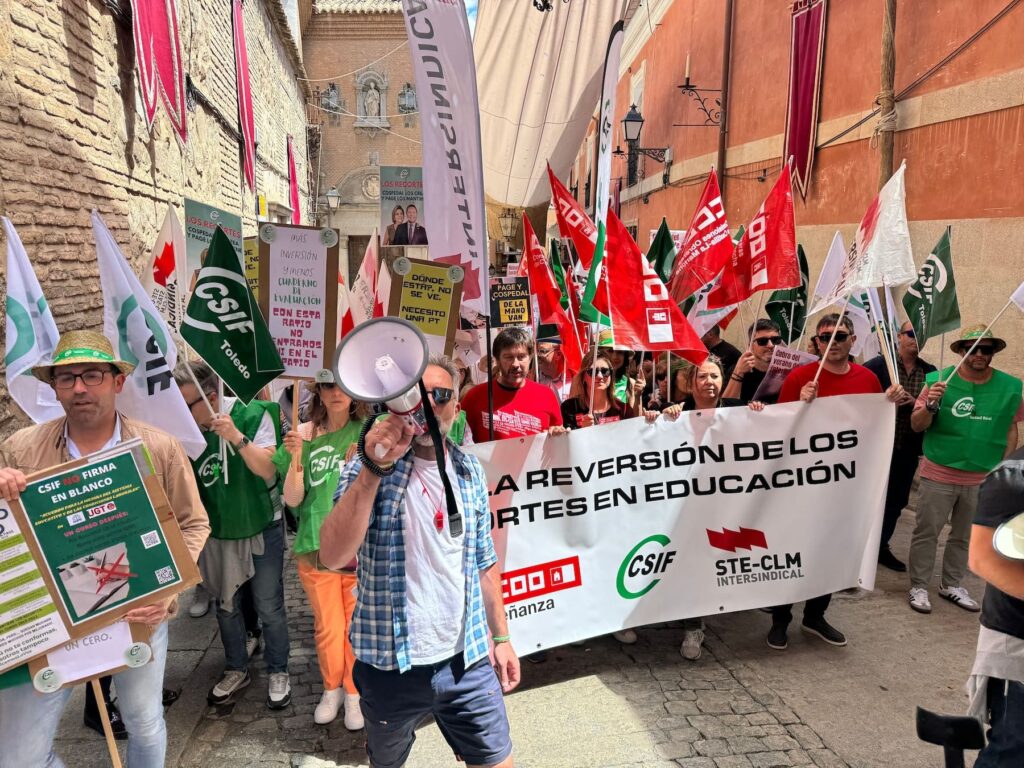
(696, 762)
(780, 743)
(805, 735)
(675, 749)
(741, 745)
(682, 708)
(712, 747)
(826, 758)
(732, 761)
(709, 725)
(684, 734)
(799, 757)
(770, 760)
(714, 702)
(761, 718)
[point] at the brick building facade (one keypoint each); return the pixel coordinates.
(959, 130)
(73, 135)
(349, 47)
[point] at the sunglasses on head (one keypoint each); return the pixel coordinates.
(441, 395)
(981, 349)
(839, 336)
(601, 371)
(763, 341)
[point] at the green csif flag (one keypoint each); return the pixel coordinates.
(788, 307)
(662, 253)
(588, 311)
(224, 326)
(930, 301)
(556, 268)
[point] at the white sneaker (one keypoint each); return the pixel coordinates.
(353, 714)
(625, 636)
(328, 707)
(252, 644)
(692, 641)
(959, 596)
(200, 603)
(230, 683)
(279, 690)
(919, 600)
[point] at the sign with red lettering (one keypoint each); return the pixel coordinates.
(298, 277)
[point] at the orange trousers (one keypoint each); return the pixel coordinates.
(333, 599)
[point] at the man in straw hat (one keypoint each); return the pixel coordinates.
(970, 425)
(86, 378)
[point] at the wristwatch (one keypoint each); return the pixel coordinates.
(243, 442)
(932, 406)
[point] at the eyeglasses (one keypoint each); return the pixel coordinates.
(441, 395)
(981, 349)
(91, 378)
(763, 341)
(909, 334)
(605, 372)
(839, 336)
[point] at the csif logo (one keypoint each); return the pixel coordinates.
(963, 407)
(209, 470)
(650, 557)
(931, 280)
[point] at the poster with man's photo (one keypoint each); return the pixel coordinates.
(403, 220)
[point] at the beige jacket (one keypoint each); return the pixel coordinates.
(43, 446)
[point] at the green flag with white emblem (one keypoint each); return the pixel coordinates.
(788, 307)
(662, 253)
(224, 326)
(930, 301)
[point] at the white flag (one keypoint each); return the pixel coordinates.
(1018, 297)
(31, 334)
(883, 238)
(605, 125)
(837, 277)
(858, 310)
(140, 336)
(365, 285)
(165, 274)
(703, 319)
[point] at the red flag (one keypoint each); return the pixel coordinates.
(471, 282)
(573, 221)
(345, 320)
(549, 298)
(245, 115)
(159, 60)
(765, 257)
(293, 185)
(644, 316)
(706, 247)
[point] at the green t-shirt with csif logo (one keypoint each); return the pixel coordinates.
(969, 431)
(322, 460)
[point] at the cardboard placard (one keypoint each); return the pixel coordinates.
(428, 294)
(298, 278)
(510, 302)
(106, 651)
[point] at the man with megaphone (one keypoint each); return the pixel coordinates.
(429, 582)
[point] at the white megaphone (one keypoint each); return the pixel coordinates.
(382, 361)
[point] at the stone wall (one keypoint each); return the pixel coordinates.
(73, 136)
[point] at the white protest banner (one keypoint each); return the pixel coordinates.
(784, 360)
(605, 123)
(627, 524)
(453, 177)
(299, 295)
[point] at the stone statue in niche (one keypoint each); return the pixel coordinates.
(371, 100)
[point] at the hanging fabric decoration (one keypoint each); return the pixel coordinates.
(159, 61)
(293, 184)
(807, 47)
(245, 116)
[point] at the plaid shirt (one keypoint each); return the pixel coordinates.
(380, 624)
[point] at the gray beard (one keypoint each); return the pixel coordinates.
(425, 440)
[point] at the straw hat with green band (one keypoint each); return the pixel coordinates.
(971, 334)
(78, 347)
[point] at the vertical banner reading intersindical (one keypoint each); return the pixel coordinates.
(298, 277)
(606, 121)
(453, 180)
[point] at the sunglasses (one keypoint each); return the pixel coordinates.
(839, 336)
(605, 372)
(763, 341)
(441, 395)
(909, 334)
(981, 349)
(327, 385)
(660, 376)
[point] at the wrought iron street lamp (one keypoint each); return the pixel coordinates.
(632, 125)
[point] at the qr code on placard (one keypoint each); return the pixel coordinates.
(164, 575)
(150, 540)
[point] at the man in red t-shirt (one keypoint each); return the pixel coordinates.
(838, 377)
(521, 407)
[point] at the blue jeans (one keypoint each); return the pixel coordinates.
(29, 720)
(268, 595)
(1006, 716)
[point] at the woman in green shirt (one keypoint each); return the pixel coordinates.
(325, 443)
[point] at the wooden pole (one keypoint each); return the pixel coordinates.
(723, 122)
(296, 458)
(886, 95)
(223, 442)
(101, 705)
(753, 324)
(490, 381)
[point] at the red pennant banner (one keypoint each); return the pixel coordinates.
(293, 185)
(245, 114)
(159, 61)
(765, 257)
(573, 221)
(807, 45)
(706, 247)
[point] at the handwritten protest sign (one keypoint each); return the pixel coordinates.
(251, 265)
(784, 360)
(427, 294)
(510, 302)
(298, 277)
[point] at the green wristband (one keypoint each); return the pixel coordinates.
(501, 638)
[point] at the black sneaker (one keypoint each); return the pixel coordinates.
(890, 561)
(777, 637)
(824, 630)
(92, 720)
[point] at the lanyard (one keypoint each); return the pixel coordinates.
(438, 514)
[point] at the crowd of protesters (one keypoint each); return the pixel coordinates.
(386, 657)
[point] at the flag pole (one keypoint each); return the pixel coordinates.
(223, 442)
(942, 351)
(977, 341)
(593, 372)
(792, 317)
(884, 348)
(753, 324)
(297, 457)
(490, 381)
(828, 347)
